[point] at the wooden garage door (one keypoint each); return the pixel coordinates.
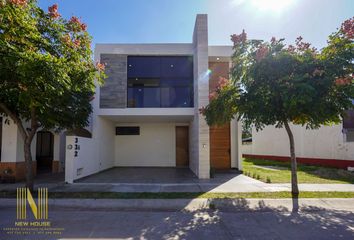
(182, 146)
(220, 154)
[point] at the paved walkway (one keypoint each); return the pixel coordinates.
(221, 183)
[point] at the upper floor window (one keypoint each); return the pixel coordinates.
(160, 81)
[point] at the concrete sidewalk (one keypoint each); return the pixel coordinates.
(239, 183)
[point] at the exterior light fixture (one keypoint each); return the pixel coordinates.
(217, 59)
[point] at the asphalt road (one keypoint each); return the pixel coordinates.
(201, 224)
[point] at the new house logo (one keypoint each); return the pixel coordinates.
(39, 210)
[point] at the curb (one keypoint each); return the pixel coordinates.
(235, 205)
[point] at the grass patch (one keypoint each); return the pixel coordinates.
(184, 195)
(306, 173)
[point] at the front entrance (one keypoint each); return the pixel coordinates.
(44, 151)
(182, 146)
(220, 151)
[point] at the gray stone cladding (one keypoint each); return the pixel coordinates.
(113, 94)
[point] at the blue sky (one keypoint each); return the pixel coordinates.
(160, 21)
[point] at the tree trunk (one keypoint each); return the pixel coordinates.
(27, 136)
(294, 186)
(28, 162)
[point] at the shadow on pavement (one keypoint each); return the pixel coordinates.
(241, 219)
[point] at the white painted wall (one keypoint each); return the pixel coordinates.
(12, 143)
(246, 148)
(104, 138)
(144, 49)
(84, 163)
(327, 142)
(9, 142)
(155, 146)
(69, 159)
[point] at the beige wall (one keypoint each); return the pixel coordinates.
(327, 142)
(154, 147)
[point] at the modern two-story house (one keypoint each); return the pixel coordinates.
(146, 114)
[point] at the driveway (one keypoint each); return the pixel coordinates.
(142, 175)
(156, 179)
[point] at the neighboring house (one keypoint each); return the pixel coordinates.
(45, 151)
(328, 146)
(147, 112)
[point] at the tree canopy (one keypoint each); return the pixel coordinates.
(272, 83)
(46, 67)
(275, 84)
(47, 75)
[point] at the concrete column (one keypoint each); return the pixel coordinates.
(199, 130)
(234, 143)
(239, 145)
(56, 153)
(69, 159)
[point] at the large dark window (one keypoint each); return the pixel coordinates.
(162, 81)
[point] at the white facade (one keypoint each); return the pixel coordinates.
(12, 150)
(155, 146)
(12, 143)
(328, 142)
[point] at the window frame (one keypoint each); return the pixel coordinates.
(164, 81)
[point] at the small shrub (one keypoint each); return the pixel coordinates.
(254, 175)
(268, 180)
(258, 177)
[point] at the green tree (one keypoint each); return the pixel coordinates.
(46, 71)
(275, 84)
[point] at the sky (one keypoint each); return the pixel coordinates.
(172, 21)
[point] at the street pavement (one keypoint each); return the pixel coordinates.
(199, 224)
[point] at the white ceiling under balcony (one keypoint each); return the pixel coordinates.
(177, 115)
